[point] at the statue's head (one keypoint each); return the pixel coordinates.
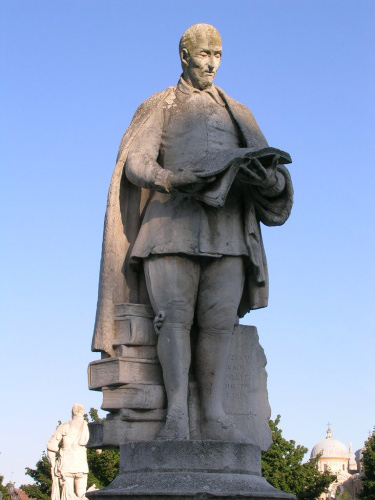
(78, 410)
(200, 53)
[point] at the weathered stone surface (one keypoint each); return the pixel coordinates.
(137, 352)
(114, 431)
(194, 411)
(135, 396)
(189, 470)
(138, 310)
(96, 435)
(119, 371)
(134, 330)
(193, 456)
(117, 431)
(246, 395)
(191, 486)
(245, 392)
(143, 415)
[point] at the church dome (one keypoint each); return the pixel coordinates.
(330, 448)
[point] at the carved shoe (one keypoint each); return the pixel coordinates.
(222, 430)
(176, 427)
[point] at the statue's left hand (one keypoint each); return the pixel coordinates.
(254, 173)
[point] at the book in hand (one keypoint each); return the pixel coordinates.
(225, 166)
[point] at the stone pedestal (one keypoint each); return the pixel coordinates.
(189, 470)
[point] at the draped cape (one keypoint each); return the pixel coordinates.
(119, 281)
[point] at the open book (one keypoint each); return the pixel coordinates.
(225, 166)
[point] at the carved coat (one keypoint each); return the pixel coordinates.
(119, 281)
(73, 456)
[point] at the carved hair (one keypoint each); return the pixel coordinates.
(192, 34)
(78, 409)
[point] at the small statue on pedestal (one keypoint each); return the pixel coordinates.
(67, 454)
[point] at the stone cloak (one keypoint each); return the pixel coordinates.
(121, 282)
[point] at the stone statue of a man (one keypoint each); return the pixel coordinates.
(200, 266)
(70, 468)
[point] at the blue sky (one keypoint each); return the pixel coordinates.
(73, 73)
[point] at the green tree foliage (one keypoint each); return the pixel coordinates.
(103, 467)
(41, 475)
(4, 489)
(93, 416)
(368, 478)
(345, 496)
(283, 468)
(33, 491)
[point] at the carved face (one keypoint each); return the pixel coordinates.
(202, 61)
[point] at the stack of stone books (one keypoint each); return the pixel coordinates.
(131, 382)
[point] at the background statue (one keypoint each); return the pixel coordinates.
(182, 230)
(67, 455)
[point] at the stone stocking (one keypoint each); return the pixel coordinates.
(211, 360)
(174, 353)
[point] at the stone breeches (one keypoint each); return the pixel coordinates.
(187, 288)
(76, 475)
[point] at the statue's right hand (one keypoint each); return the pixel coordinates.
(189, 180)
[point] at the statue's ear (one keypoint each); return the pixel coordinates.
(185, 57)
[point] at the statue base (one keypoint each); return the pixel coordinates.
(189, 470)
(134, 395)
